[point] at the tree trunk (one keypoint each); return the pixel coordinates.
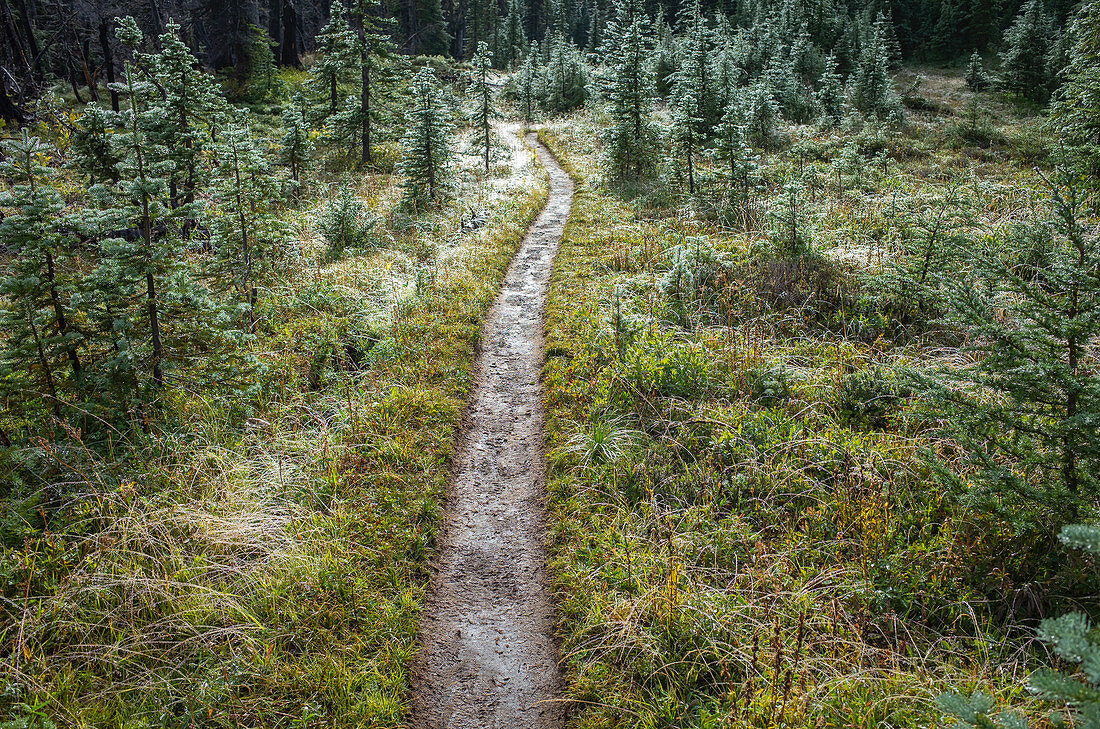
(59, 314)
(45, 364)
(9, 110)
(108, 59)
(288, 49)
(154, 329)
(89, 79)
(365, 99)
(28, 30)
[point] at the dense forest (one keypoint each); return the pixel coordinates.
(820, 382)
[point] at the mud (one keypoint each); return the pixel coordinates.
(488, 657)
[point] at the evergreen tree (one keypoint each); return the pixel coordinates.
(1024, 59)
(665, 59)
(736, 163)
(35, 297)
(631, 141)
(686, 119)
(1074, 640)
(337, 58)
(872, 87)
(760, 116)
(427, 143)
(1025, 411)
(566, 79)
(180, 123)
(296, 149)
(245, 226)
(92, 151)
(1075, 113)
(830, 94)
(528, 83)
(262, 69)
(482, 93)
(515, 40)
(976, 77)
(695, 60)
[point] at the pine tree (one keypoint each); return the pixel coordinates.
(665, 59)
(830, 94)
(245, 227)
(262, 69)
(695, 60)
(566, 79)
(528, 83)
(686, 119)
(92, 151)
(736, 163)
(631, 141)
(1024, 59)
(1025, 412)
(760, 116)
(337, 58)
(35, 297)
(427, 143)
(482, 93)
(1073, 639)
(182, 120)
(872, 87)
(976, 77)
(1075, 113)
(296, 149)
(515, 39)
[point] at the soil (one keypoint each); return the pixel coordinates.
(488, 657)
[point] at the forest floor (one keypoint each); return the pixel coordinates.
(488, 655)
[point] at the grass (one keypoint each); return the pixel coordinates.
(264, 563)
(769, 547)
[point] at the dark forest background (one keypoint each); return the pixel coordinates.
(75, 41)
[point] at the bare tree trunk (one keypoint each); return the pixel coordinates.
(108, 59)
(288, 49)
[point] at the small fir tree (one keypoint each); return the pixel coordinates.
(631, 142)
(427, 143)
(760, 116)
(566, 78)
(872, 86)
(1025, 411)
(337, 59)
(686, 121)
(262, 70)
(245, 226)
(830, 94)
(976, 77)
(296, 148)
(528, 83)
(736, 162)
(92, 151)
(482, 93)
(35, 295)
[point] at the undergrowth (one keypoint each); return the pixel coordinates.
(746, 528)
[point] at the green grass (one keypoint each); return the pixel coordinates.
(768, 547)
(264, 563)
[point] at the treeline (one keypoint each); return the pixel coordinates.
(73, 40)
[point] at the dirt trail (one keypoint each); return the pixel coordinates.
(488, 659)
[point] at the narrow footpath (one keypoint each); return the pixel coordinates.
(488, 657)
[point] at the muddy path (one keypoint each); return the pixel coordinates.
(488, 658)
